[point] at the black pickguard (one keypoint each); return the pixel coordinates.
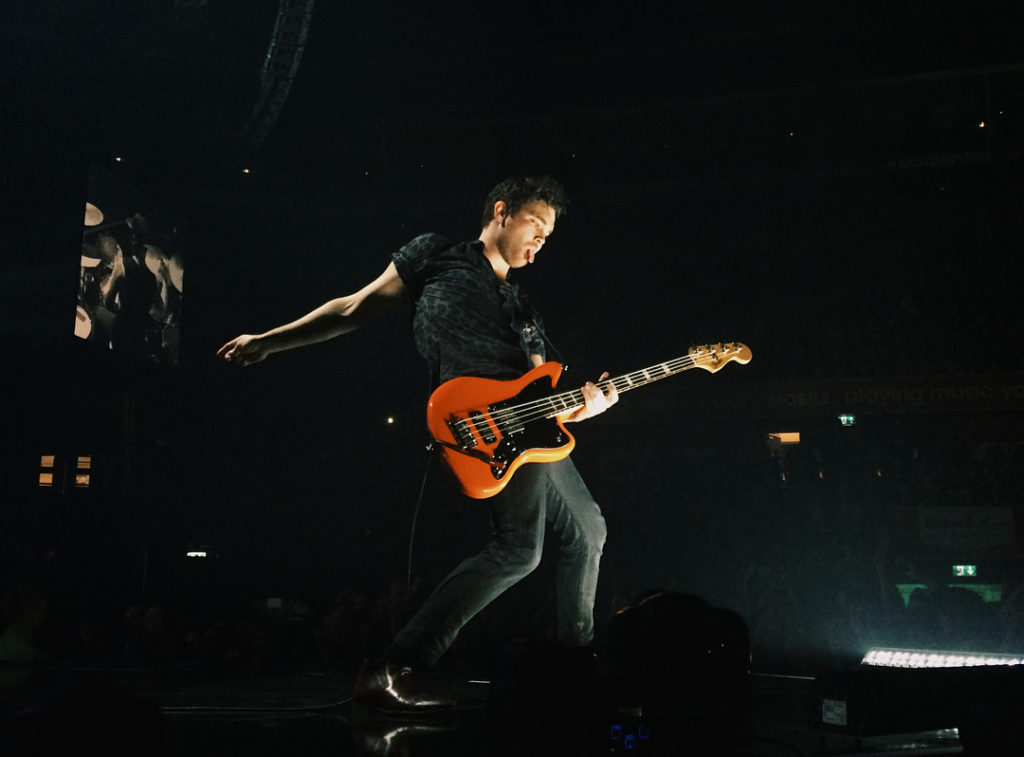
(520, 434)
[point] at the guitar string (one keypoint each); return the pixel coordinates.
(547, 407)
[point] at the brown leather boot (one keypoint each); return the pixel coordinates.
(390, 687)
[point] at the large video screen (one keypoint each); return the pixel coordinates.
(132, 273)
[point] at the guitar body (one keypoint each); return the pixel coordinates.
(484, 431)
(486, 428)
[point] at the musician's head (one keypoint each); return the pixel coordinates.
(516, 192)
(519, 216)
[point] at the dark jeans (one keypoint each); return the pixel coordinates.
(539, 493)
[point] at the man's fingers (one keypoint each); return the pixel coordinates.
(611, 393)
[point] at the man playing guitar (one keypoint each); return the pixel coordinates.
(471, 320)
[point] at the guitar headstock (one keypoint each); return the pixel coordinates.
(713, 357)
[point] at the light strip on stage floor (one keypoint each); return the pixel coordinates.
(930, 658)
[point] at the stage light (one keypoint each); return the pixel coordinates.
(981, 125)
(928, 658)
(848, 420)
(391, 419)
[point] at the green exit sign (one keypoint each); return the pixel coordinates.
(965, 571)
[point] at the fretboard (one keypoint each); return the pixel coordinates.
(564, 402)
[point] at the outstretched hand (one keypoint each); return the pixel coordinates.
(244, 350)
(595, 400)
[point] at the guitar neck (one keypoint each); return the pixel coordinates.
(569, 401)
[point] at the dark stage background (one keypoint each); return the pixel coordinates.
(836, 185)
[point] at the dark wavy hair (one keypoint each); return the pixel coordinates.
(522, 190)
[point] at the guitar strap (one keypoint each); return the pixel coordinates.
(551, 344)
(526, 318)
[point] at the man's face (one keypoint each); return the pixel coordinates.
(523, 234)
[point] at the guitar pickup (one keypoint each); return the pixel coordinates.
(479, 422)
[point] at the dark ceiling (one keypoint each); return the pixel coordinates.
(174, 81)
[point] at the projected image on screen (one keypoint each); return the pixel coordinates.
(131, 277)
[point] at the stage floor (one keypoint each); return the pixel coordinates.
(199, 711)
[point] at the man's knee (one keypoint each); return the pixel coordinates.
(596, 532)
(589, 535)
(519, 560)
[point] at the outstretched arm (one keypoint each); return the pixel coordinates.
(333, 318)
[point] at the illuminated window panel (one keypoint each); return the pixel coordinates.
(45, 479)
(82, 480)
(786, 437)
(928, 658)
(84, 462)
(46, 461)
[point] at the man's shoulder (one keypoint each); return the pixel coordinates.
(432, 257)
(431, 249)
(429, 239)
(432, 242)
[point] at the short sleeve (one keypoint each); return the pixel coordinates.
(414, 261)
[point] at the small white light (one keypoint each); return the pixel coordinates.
(391, 419)
(117, 159)
(196, 553)
(246, 170)
(981, 125)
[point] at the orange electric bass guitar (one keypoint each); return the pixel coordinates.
(486, 428)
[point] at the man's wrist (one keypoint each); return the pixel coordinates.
(268, 342)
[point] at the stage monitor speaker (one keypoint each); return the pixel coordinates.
(679, 660)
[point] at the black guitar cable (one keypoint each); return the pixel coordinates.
(415, 515)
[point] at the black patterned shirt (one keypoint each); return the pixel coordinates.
(467, 322)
